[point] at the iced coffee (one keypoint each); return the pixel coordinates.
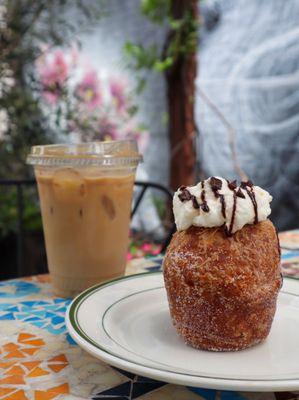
(86, 208)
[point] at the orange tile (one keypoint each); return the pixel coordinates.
(43, 278)
(6, 364)
(61, 389)
(15, 370)
(19, 395)
(35, 342)
(30, 350)
(57, 367)
(13, 380)
(4, 391)
(52, 392)
(37, 371)
(15, 354)
(59, 358)
(25, 336)
(10, 347)
(41, 395)
(31, 364)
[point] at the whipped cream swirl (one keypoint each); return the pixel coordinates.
(216, 202)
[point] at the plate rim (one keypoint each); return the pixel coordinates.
(95, 349)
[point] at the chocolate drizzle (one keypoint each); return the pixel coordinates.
(185, 195)
(204, 205)
(251, 194)
(240, 194)
(232, 185)
(216, 185)
(229, 230)
(194, 202)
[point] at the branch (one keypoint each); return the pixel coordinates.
(231, 133)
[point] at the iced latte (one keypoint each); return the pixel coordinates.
(85, 204)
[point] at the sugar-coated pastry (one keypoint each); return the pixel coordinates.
(222, 267)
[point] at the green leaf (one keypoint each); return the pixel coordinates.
(163, 65)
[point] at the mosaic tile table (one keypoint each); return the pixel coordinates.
(40, 361)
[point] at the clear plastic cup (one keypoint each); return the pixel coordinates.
(85, 194)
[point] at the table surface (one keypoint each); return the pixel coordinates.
(39, 360)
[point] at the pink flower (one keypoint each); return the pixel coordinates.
(53, 69)
(146, 247)
(88, 90)
(117, 88)
(129, 256)
(50, 97)
(108, 129)
(156, 251)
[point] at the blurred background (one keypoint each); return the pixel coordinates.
(206, 88)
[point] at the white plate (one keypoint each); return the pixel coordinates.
(126, 323)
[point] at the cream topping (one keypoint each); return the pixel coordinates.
(216, 202)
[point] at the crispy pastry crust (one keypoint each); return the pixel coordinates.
(222, 291)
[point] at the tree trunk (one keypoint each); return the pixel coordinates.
(180, 80)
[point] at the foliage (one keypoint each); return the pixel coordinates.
(23, 24)
(181, 40)
(139, 248)
(9, 211)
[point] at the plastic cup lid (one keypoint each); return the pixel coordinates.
(110, 154)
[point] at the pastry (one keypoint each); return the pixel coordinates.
(222, 267)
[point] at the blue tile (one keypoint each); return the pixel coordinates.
(59, 300)
(124, 389)
(228, 395)
(54, 331)
(21, 316)
(207, 394)
(4, 306)
(12, 309)
(141, 388)
(70, 339)
(128, 374)
(61, 309)
(39, 324)
(8, 316)
(57, 320)
(31, 319)
(38, 313)
(50, 315)
(153, 269)
(28, 303)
